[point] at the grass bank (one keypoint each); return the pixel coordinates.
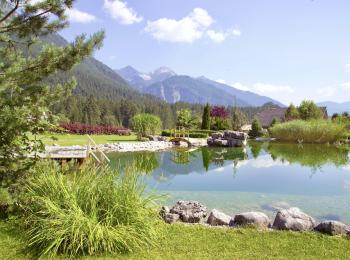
(314, 131)
(189, 242)
(71, 139)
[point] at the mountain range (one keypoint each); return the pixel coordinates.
(171, 87)
(334, 107)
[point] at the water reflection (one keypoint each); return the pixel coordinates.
(263, 177)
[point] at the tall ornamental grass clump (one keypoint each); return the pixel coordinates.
(314, 131)
(89, 211)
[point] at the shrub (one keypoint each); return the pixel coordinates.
(256, 130)
(193, 133)
(87, 211)
(314, 131)
(78, 128)
(145, 124)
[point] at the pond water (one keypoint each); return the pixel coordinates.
(261, 177)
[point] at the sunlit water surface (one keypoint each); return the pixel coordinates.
(262, 177)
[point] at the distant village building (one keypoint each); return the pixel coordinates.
(266, 116)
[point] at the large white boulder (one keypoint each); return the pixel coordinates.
(293, 219)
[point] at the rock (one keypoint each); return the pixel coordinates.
(235, 135)
(217, 218)
(236, 143)
(331, 227)
(163, 211)
(293, 219)
(217, 142)
(217, 135)
(189, 211)
(171, 218)
(251, 219)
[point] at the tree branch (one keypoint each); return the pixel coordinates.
(11, 12)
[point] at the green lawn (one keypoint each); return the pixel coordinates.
(198, 242)
(71, 139)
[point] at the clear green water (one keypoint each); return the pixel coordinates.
(263, 177)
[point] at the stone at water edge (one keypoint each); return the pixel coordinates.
(217, 218)
(189, 211)
(171, 218)
(293, 219)
(331, 227)
(251, 219)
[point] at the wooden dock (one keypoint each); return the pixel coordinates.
(79, 154)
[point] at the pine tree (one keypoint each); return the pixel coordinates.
(206, 117)
(24, 97)
(256, 129)
(238, 119)
(292, 113)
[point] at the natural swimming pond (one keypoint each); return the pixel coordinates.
(261, 177)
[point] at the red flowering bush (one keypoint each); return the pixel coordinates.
(219, 111)
(78, 128)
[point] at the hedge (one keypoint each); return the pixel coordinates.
(78, 128)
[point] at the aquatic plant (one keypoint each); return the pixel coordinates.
(314, 131)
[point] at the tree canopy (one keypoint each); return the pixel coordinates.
(25, 64)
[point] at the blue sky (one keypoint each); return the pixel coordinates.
(288, 50)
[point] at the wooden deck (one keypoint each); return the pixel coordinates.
(79, 154)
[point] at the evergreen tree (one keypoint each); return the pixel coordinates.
(206, 117)
(238, 119)
(292, 113)
(256, 129)
(24, 97)
(274, 121)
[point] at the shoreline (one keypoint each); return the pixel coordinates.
(150, 146)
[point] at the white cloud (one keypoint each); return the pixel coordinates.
(236, 32)
(222, 81)
(267, 162)
(219, 37)
(120, 11)
(77, 16)
(339, 93)
(270, 88)
(187, 29)
(240, 86)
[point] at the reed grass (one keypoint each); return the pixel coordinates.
(314, 131)
(88, 211)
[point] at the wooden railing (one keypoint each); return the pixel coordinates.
(180, 132)
(103, 157)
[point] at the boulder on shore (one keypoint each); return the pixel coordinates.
(251, 219)
(293, 219)
(171, 218)
(228, 139)
(217, 218)
(189, 211)
(331, 227)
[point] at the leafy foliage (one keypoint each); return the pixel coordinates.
(78, 128)
(309, 110)
(186, 119)
(24, 96)
(145, 124)
(87, 211)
